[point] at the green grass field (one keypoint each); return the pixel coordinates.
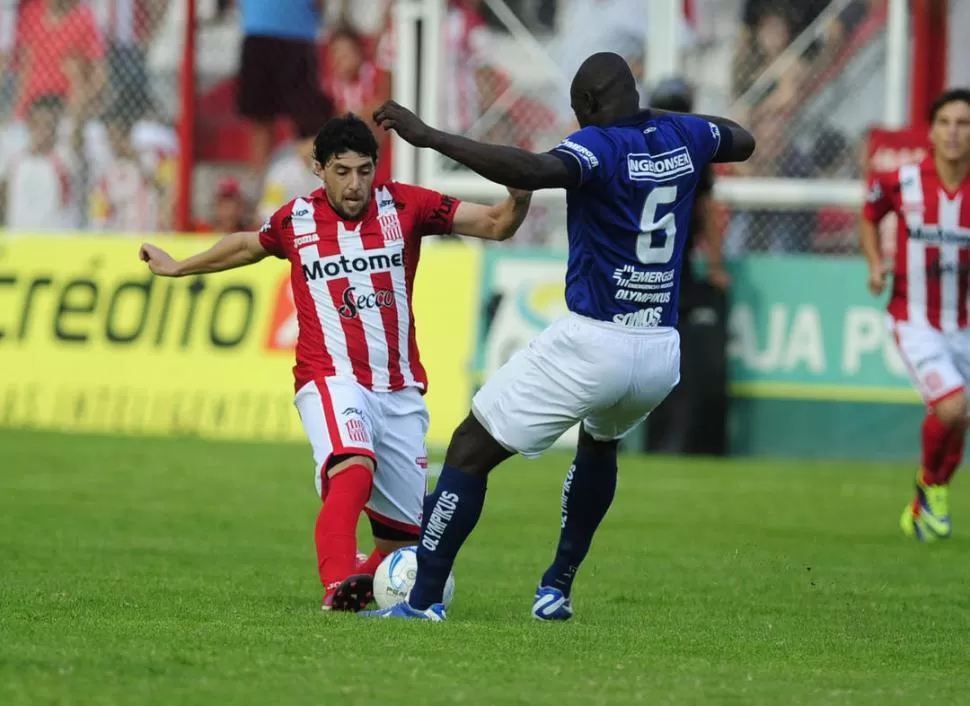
(182, 572)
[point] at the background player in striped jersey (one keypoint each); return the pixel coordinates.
(354, 250)
(928, 306)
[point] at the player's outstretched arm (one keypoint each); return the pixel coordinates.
(509, 166)
(233, 250)
(737, 144)
(496, 222)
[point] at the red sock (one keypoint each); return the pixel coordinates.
(935, 438)
(953, 454)
(373, 561)
(336, 530)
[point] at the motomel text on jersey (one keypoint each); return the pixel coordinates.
(666, 166)
(342, 265)
(936, 234)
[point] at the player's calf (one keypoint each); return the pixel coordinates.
(452, 510)
(587, 494)
(348, 486)
(927, 517)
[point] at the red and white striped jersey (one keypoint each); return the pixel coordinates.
(932, 261)
(352, 283)
(354, 96)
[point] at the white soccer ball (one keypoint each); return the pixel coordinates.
(395, 577)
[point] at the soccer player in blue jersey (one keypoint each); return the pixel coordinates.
(630, 177)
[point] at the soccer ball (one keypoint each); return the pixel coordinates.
(395, 577)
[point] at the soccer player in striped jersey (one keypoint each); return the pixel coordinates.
(353, 247)
(928, 305)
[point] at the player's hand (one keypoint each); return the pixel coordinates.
(720, 278)
(409, 126)
(519, 196)
(877, 278)
(159, 261)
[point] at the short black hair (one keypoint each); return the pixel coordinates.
(953, 95)
(347, 133)
(50, 101)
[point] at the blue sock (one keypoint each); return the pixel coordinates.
(587, 494)
(450, 514)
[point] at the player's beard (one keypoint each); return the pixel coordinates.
(346, 214)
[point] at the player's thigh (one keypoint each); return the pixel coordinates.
(655, 372)
(401, 480)
(545, 388)
(337, 421)
(928, 360)
(958, 343)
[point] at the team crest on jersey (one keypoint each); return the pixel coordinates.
(357, 431)
(387, 217)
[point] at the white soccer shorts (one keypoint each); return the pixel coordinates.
(938, 363)
(341, 417)
(606, 375)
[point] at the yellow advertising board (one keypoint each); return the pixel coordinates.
(91, 341)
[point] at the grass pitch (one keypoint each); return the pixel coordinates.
(182, 572)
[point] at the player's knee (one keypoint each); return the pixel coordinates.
(473, 450)
(337, 464)
(952, 411)
(600, 448)
(388, 538)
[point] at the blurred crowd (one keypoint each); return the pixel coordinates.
(89, 98)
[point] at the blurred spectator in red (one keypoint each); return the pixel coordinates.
(464, 66)
(59, 51)
(229, 210)
(40, 182)
(279, 76)
(358, 86)
(129, 190)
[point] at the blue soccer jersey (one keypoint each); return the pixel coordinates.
(628, 217)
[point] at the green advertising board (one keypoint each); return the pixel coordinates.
(813, 367)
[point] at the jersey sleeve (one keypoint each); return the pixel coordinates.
(271, 234)
(704, 137)
(434, 211)
(588, 152)
(878, 201)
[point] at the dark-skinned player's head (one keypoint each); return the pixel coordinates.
(950, 125)
(345, 157)
(604, 90)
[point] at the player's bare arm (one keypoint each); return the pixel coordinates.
(869, 242)
(509, 166)
(496, 222)
(232, 251)
(737, 144)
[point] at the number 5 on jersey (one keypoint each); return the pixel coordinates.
(647, 252)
